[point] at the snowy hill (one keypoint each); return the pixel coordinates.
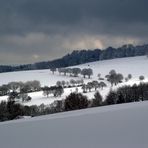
(117, 126)
(135, 65)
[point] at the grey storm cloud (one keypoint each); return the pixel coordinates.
(33, 30)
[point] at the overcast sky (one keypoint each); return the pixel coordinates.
(37, 30)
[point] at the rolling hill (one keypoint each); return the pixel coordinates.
(133, 65)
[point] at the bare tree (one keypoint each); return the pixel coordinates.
(4, 90)
(23, 96)
(76, 71)
(36, 86)
(87, 72)
(84, 72)
(102, 85)
(69, 71)
(73, 82)
(112, 72)
(89, 86)
(60, 70)
(63, 83)
(59, 83)
(46, 91)
(95, 84)
(57, 91)
(53, 70)
(80, 82)
(13, 86)
(84, 87)
(114, 78)
(65, 71)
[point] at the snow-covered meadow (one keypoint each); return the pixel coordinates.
(135, 65)
(115, 126)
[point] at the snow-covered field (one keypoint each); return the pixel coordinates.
(116, 126)
(135, 65)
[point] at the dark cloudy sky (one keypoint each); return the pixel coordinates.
(36, 30)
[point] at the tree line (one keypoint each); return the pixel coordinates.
(128, 94)
(81, 57)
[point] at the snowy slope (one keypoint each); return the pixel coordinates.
(117, 126)
(135, 65)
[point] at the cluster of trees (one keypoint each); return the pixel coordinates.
(87, 72)
(11, 110)
(18, 91)
(127, 94)
(70, 83)
(114, 78)
(93, 85)
(17, 97)
(20, 87)
(73, 72)
(55, 90)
